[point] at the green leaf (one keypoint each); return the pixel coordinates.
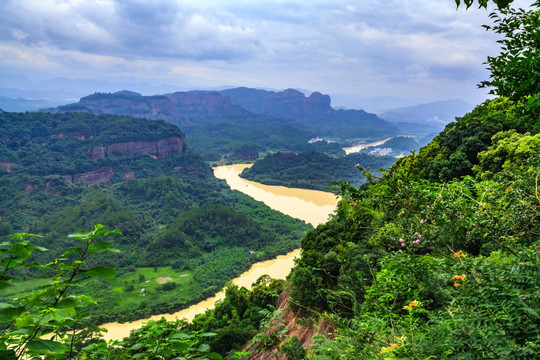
(204, 348)
(87, 235)
(182, 347)
(46, 347)
(8, 355)
(216, 356)
(23, 235)
(137, 346)
(102, 272)
(82, 235)
(208, 334)
(74, 250)
(68, 302)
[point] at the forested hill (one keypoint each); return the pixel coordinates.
(64, 172)
(77, 144)
(313, 170)
(218, 125)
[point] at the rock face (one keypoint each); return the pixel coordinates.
(314, 110)
(204, 102)
(125, 103)
(304, 332)
(8, 166)
(91, 177)
(289, 103)
(156, 149)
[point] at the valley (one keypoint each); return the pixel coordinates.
(311, 206)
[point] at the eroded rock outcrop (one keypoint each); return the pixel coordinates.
(157, 149)
(289, 103)
(157, 107)
(8, 166)
(91, 177)
(303, 330)
(204, 102)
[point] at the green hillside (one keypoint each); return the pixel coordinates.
(313, 170)
(154, 189)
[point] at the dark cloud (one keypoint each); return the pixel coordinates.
(129, 28)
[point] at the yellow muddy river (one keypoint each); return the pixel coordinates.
(312, 206)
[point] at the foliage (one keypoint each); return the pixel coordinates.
(155, 340)
(44, 322)
(509, 150)
(313, 170)
(515, 72)
(427, 261)
(484, 3)
(453, 153)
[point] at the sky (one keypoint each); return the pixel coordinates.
(365, 54)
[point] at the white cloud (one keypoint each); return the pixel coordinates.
(369, 47)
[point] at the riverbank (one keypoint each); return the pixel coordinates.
(312, 206)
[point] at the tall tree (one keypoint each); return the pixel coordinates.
(515, 72)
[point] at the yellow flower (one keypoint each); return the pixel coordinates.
(457, 278)
(388, 349)
(411, 305)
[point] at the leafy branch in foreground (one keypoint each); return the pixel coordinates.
(515, 72)
(44, 322)
(484, 3)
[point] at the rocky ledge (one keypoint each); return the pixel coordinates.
(155, 149)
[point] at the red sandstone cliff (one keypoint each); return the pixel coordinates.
(303, 331)
(157, 149)
(204, 102)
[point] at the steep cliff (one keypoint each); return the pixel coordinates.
(84, 147)
(297, 323)
(314, 111)
(204, 102)
(125, 103)
(289, 103)
(155, 149)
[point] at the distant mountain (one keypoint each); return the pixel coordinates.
(66, 90)
(175, 107)
(435, 113)
(219, 123)
(313, 110)
(289, 103)
(21, 104)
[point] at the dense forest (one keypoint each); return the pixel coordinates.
(313, 170)
(176, 217)
(437, 257)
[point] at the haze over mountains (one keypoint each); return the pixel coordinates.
(19, 93)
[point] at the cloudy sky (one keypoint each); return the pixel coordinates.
(362, 51)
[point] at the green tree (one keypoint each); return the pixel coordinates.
(515, 72)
